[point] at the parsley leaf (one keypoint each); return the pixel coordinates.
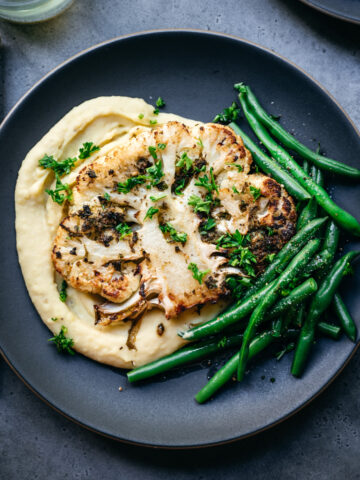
(174, 234)
(255, 192)
(270, 257)
(141, 116)
(210, 185)
(185, 160)
(152, 151)
(107, 196)
(155, 173)
(153, 122)
(200, 143)
(124, 230)
(151, 212)
(234, 189)
(197, 274)
(270, 231)
(160, 102)
(240, 256)
(161, 146)
(88, 149)
(156, 199)
(199, 204)
(180, 186)
(58, 197)
(63, 293)
(130, 183)
(156, 111)
(208, 225)
(236, 165)
(62, 343)
(237, 285)
(61, 167)
(230, 114)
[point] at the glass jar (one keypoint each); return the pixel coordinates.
(31, 11)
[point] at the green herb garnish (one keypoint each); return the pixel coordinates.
(234, 189)
(107, 196)
(55, 194)
(161, 146)
(151, 212)
(255, 192)
(88, 149)
(130, 183)
(153, 122)
(270, 257)
(174, 234)
(230, 114)
(160, 102)
(61, 167)
(156, 199)
(185, 160)
(152, 151)
(210, 185)
(197, 274)
(62, 343)
(240, 256)
(208, 225)
(180, 187)
(63, 293)
(155, 173)
(124, 230)
(199, 204)
(141, 116)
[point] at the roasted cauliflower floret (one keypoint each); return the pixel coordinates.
(148, 221)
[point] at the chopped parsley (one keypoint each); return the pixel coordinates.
(124, 230)
(234, 189)
(54, 319)
(210, 185)
(255, 192)
(156, 199)
(152, 151)
(63, 344)
(153, 122)
(88, 149)
(156, 111)
(180, 187)
(237, 285)
(161, 146)
(63, 293)
(61, 167)
(174, 234)
(107, 196)
(199, 204)
(208, 225)
(286, 349)
(240, 256)
(185, 161)
(270, 257)
(230, 114)
(197, 274)
(160, 103)
(200, 143)
(151, 212)
(141, 116)
(130, 183)
(155, 173)
(236, 165)
(55, 194)
(270, 231)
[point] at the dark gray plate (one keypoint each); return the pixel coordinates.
(348, 10)
(194, 72)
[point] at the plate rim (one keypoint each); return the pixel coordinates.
(7, 118)
(331, 13)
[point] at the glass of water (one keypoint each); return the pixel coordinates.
(30, 11)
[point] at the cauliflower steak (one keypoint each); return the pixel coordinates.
(165, 218)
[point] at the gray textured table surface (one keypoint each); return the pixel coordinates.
(321, 442)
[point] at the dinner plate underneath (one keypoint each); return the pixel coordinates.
(348, 10)
(194, 72)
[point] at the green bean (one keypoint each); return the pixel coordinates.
(344, 317)
(270, 167)
(286, 253)
(183, 356)
(296, 265)
(319, 304)
(225, 373)
(289, 141)
(340, 216)
(295, 297)
(233, 314)
(320, 261)
(307, 214)
(332, 331)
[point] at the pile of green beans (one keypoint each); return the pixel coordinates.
(298, 286)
